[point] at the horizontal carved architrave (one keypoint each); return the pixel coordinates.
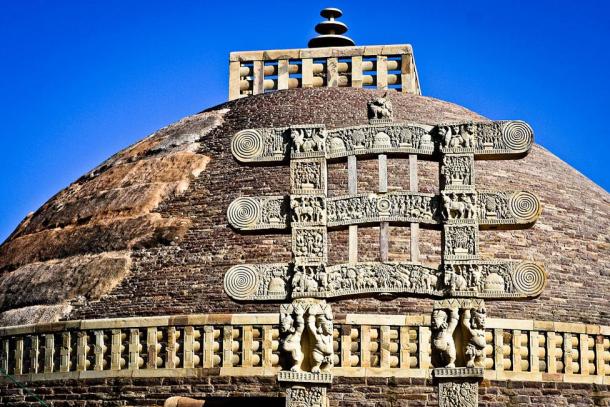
(498, 139)
(344, 280)
(492, 209)
(396, 207)
(457, 279)
(508, 208)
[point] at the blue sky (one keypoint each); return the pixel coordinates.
(80, 80)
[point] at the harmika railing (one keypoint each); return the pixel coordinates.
(249, 345)
(380, 67)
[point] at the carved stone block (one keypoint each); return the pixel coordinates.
(253, 145)
(457, 172)
(508, 208)
(365, 278)
(485, 138)
(309, 245)
(380, 137)
(459, 207)
(461, 241)
(308, 210)
(307, 141)
(306, 396)
(458, 393)
(308, 177)
(374, 208)
(494, 279)
(458, 387)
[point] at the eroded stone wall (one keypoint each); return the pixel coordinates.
(346, 392)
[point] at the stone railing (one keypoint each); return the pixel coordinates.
(381, 67)
(248, 345)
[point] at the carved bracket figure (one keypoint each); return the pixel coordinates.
(458, 321)
(443, 324)
(307, 341)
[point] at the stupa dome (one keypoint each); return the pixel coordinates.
(146, 233)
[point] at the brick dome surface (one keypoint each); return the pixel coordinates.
(146, 233)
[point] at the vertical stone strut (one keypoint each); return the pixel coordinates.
(384, 227)
(352, 189)
(414, 187)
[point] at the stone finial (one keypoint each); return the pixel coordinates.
(331, 31)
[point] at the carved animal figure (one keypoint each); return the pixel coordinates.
(443, 325)
(298, 139)
(445, 135)
(302, 211)
(470, 209)
(307, 140)
(293, 328)
(454, 281)
(380, 108)
(468, 135)
(475, 326)
(453, 209)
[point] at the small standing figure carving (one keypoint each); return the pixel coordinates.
(293, 329)
(443, 326)
(474, 324)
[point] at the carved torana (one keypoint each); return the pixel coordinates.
(458, 210)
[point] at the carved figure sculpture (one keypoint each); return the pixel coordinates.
(474, 324)
(456, 137)
(293, 329)
(380, 108)
(443, 325)
(321, 327)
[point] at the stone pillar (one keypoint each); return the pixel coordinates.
(458, 343)
(458, 387)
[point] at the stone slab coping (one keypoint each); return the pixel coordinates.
(327, 52)
(491, 375)
(273, 319)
